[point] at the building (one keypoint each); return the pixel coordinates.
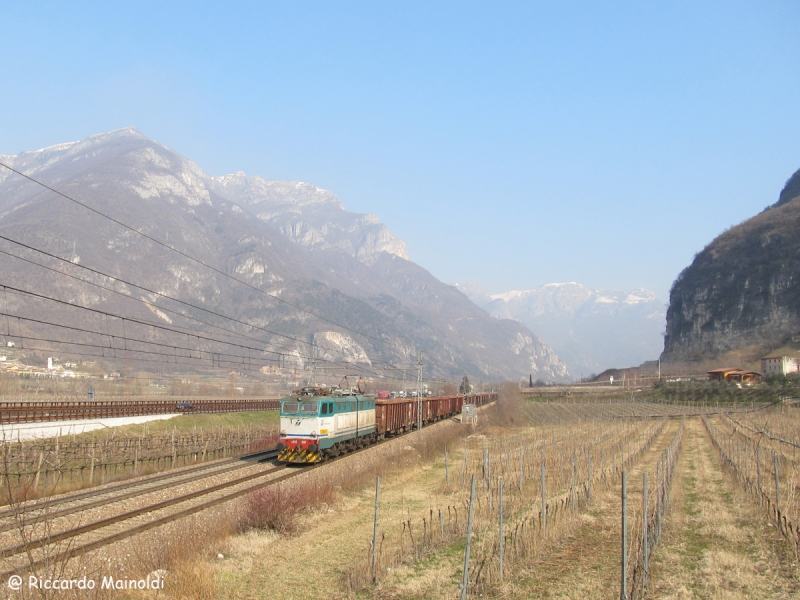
(722, 374)
(734, 375)
(780, 365)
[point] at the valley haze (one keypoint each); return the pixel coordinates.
(590, 330)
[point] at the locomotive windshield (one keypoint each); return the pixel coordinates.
(309, 408)
(290, 408)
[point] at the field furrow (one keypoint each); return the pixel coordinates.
(716, 544)
(586, 565)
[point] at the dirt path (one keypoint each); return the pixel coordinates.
(587, 565)
(715, 542)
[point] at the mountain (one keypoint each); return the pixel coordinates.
(314, 271)
(591, 330)
(742, 292)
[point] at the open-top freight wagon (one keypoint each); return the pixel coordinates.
(318, 423)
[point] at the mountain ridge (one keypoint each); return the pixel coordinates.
(292, 239)
(741, 293)
(591, 330)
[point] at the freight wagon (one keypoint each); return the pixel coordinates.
(318, 423)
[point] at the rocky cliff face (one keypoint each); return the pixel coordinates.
(590, 330)
(742, 291)
(310, 216)
(371, 305)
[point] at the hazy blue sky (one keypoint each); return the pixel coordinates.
(513, 144)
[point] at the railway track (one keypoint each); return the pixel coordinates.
(29, 514)
(85, 538)
(37, 541)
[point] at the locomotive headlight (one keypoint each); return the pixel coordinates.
(283, 432)
(314, 434)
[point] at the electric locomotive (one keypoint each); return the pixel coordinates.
(317, 423)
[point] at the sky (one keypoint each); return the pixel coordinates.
(510, 144)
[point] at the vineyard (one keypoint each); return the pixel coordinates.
(32, 469)
(586, 502)
(765, 464)
(556, 466)
(551, 413)
(540, 499)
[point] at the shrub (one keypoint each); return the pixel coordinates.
(509, 409)
(274, 508)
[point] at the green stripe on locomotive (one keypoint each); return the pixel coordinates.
(321, 407)
(333, 405)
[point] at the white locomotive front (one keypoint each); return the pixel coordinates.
(316, 423)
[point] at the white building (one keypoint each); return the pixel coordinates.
(780, 365)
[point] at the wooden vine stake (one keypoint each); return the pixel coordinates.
(645, 533)
(502, 544)
(465, 576)
(623, 593)
(544, 498)
(375, 532)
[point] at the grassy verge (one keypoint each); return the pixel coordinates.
(186, 423)
(716, 544)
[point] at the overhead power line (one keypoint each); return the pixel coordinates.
(190, 257)
(217, 359)
(149, 291)
(146, 303)
(162, 295)
(124, 337)
(160, 361)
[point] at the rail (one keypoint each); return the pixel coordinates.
(79, 549)
(44, 411)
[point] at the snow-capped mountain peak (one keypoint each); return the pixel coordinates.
(591, 330)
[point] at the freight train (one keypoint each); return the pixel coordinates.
(319, 423)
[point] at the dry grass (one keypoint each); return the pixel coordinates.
(584, 563)
(716, 545)
(743, 434)
(192, 580)
(509, 409)
(182, 552)
(310, 537)
(417, 560)
(331, 536)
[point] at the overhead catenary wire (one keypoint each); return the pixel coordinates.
(125, 350)
(190, 257)
(172, 328)
(160, 326)
(149, 291)
(125, 338)
(281, 349)
(121, 317)
(159, 361)
(216, 357)
(245, 366)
